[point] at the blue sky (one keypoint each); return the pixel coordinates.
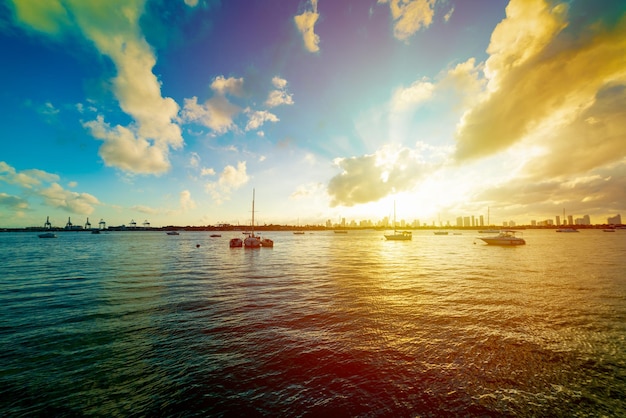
(173, 111)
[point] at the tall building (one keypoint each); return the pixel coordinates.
(558, 220)
(614, 220)
(482, 220)
(570, 219)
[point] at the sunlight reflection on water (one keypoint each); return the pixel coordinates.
(343, 324)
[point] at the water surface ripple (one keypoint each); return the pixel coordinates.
(146, 324)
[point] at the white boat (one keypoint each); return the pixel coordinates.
(567, 230)
(48, 235)
(398, 235)
(505, 237)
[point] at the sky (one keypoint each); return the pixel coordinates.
(173, 112)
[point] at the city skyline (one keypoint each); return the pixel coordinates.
(173, 112)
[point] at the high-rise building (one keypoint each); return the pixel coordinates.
(614, 220)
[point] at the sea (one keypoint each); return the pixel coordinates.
(143, 324)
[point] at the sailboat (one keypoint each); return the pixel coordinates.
(252, 240)
(398, 235)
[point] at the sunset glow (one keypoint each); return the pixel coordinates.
(172, 112)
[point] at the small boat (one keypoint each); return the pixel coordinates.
(266, 242)
(172, 233)
(489, 231)
(48, 235)
(609, 230)
(398, 235)
(298, 232)
(567, 230)
(441, 232)
(505, 237)
(95, 231)
(236, 243)
(215, 235)
(340, 231)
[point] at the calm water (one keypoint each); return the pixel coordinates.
(323, 324)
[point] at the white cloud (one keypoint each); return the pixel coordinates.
(257, 118)
(305, 23)
(79, 203)
(125, 150)
(410, 16)
(224, 86)
(368, 178)
(113, 28)
(407, 98)
(230, 179)
(194, 160)
(279, 96)
(186, 202)
(207, 172)
(15, 203)
(27, 179)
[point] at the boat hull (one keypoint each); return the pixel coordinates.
(504, 241)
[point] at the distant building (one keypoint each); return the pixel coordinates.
(570, 219)
(482, 220)
(585, 220)
(614, 220)
(558, 220)
(459, 221)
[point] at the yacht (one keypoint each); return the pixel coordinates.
(505, 237)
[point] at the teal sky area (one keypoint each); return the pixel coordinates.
(172, 112)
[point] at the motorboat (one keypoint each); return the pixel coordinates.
(505, 237)
(441, 232)
(566, 230)
(266, 242)
(215, 235)
(398, 235)
(236, 243)
(172, 233)
(48, 235)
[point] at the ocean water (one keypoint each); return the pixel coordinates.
(145, 324)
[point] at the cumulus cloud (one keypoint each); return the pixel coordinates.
(410, 16)
(371, 177)
(541, 80)
(305, 23)
(217, 113)
(15, 203)
(113, 28)
(257, 118)
(27, 179)
(407, 98)
(126, 150)
(186, 202)
(73, 202)
(231, 178)
(279, 96)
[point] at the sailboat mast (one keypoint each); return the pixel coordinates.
(252, 212)
(394, 215)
